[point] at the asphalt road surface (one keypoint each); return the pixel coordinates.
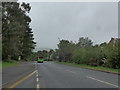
(54, 75)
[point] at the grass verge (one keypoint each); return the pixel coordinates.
(7, 64)
(100, 68)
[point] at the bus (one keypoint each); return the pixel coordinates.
(40, 60)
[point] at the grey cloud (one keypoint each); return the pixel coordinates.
(98, 21)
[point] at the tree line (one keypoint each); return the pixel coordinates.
(84, 52)
(46, 54)
(17, 36)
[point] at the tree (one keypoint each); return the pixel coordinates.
(43, 53)
(112, 55)
(16, 32)
(65, 50)
(85, 42)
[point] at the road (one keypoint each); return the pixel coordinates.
(12, 74)
(55, 75)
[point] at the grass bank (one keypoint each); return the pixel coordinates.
(100, 68)
(7, 64)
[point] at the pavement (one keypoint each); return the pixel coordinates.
(54, 75)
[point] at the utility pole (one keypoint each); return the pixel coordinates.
(58, 51)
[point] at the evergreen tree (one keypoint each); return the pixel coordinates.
(16, 33)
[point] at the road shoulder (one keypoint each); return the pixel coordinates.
(15, 73)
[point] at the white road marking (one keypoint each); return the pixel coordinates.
(37, 79)
(102, 81)
(38, 86)
(36, 75)
(71, 71)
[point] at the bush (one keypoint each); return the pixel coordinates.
(80, 56)
(112, 55)
(81, 53)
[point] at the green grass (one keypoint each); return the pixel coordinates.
(7, 64)
(92, 67)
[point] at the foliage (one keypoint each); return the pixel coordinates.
(85, 42)
(112, 56)
(84, 52)
(8, 64)
(92, 67)
(47, 55)
(43, 53)
(65, 50)
(16, 33)
(79, 56)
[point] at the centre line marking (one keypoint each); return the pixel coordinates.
(38, 86)
(23, 79)
(37, 80)
(36, 75)
(103, 81)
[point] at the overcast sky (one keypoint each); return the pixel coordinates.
(69, 21)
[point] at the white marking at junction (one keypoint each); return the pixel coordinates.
(102, 81)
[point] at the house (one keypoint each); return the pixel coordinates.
(113, 41)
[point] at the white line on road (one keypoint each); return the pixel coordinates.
(37, 80)
(102, 81)
(38, 86)
(37, 75)
(71, 71)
